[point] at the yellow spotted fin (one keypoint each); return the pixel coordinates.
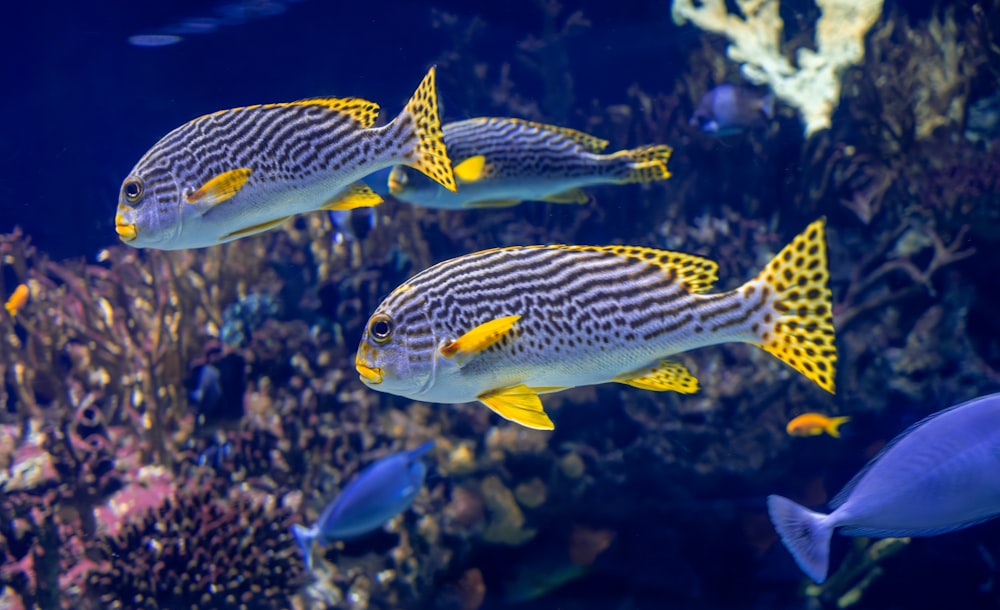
(469, 345)
(429, 156)
(357, 195)
(471, 170)
(588, 142)
(665, 376)
(696, 273)
(802, 334)
(221, 187)
(519, 404)
(570, 196)
(646, 164)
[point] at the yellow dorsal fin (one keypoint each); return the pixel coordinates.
(222, 187)
(363, 111)
(493, 203)
(697, 273)
(357, 195)
(570, 196)
(664, 376)
(471, 170)
(799, 331)
(518, 404)
(252, 229)
(479, 338)
(588, 142)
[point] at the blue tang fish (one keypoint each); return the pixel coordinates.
(938, 476)
(379, 493)
(730, 109)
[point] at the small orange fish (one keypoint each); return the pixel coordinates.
(16, 300)
(813, 424)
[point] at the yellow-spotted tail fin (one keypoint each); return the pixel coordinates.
(429, 155)
(645, 164)
(800, 330)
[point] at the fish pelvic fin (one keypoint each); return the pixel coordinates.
(805, 533)
(799, 330)
(357, 195)
(304, 537)
(664, 376)
(833, 426)
(420, 120)
(519, 404)
(644, 164)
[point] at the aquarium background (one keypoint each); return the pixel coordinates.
(123, 489)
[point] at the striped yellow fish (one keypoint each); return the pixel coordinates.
(243, 171)
(505, 325)
(501, 162)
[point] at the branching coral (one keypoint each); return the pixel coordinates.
(813, 84)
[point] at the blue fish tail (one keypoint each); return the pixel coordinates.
(304, 537)
(805, 533)
(422, 449)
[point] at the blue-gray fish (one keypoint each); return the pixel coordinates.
(379, 493)
(938, 476)
(729, 109)
(502, 162)
(237, 172)
(505, 325)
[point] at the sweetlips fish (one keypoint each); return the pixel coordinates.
(502, 326)
(501, 162)
(239, 172)
(379, 493)
(938, 476)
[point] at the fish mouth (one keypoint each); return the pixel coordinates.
(126, 231)
(369, 375)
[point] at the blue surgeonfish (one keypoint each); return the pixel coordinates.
(730, 109)
(379, 493)
(938, 476)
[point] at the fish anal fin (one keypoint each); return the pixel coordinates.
(801, 332)
(493, 203)
(252, 229)
(472, 169)
(469, 345)
(221, 187)
(357, 195)
(518, 404)
(570, 196)
(696, 273)
(664, 376)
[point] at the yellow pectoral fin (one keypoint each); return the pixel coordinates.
(518, 404)
(471, 170)
(570, 196)
(665, 376)
(252, 229)
(222, 187)
(479, 338)
(357, 195)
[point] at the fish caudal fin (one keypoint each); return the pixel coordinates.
(833, 426)
(645, 164)
(799, 330)
(304, 537)
(805, 533)
(420, 117)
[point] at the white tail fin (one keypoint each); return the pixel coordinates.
(304, 537)
(805, 533)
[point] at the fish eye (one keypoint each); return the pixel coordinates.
(380, 328)
(132, 189)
